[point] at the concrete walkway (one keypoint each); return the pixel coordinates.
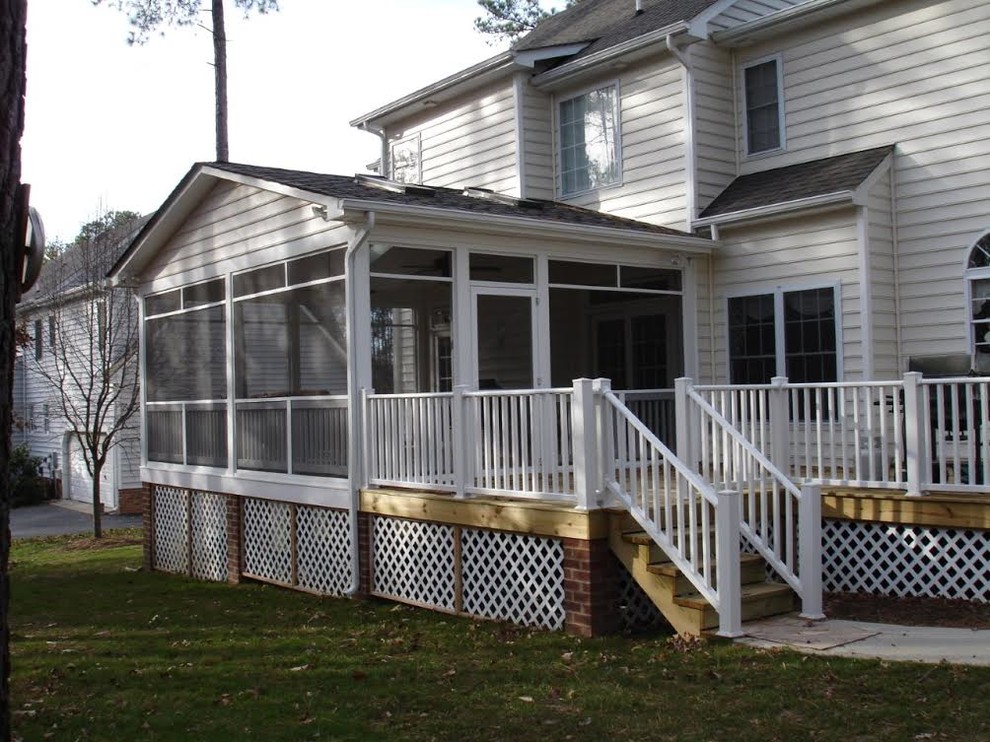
(871, 640)
(63, 517)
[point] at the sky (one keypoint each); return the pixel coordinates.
(112, 126)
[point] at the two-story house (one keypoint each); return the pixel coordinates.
(783, 201)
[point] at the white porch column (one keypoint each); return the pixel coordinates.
(915, 420)
(464, 440)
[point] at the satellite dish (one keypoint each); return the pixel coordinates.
(33, 254)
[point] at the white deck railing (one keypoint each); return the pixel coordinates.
(511, 443)
(912, 435)
(779, 519)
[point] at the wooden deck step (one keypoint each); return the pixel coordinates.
(758, 601)
(752, 571)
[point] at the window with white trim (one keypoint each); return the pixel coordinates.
(588, 127)
(763, 97)
(405, 160)
(784, 333)
(978, 285)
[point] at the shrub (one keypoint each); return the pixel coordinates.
(26, 484)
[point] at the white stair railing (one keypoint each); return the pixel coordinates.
(780, 520)
(676, 507)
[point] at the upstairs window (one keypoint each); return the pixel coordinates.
(39, 340)
(589, 140)
(978, 284)
(763, 96)
(406, 161)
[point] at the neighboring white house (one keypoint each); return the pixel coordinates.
(63, 301)
(726, 190)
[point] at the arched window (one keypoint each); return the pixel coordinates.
(978, 292)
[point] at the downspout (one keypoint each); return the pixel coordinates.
(355, 463)
(690, 164)
(383, 157)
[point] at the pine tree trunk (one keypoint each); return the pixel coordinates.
(220, 71)
(12, 85)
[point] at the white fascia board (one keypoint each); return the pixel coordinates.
(699, 24)
(467, 78)
(761, 212)
(566, 72)
(861, 195)
(440, 217)
(774, 23)
(269, 185)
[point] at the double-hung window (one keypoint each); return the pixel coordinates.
(978, 280)
(589, 140)
(763, 99)
(784, 333)
(405, 164)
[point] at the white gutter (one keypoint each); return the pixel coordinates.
(760, 212)
(571, 69)
(355, 400)
(532, 227)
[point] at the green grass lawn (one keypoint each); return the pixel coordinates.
(104, 651)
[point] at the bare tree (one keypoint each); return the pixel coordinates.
(92, 368)
(148, 16)
(13, 53)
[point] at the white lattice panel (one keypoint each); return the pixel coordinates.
(637, 611)
(414, 561)
(905, 560)
(323, 544)
(171, 529)
(209, 536)
(513, 577)
(267, 540)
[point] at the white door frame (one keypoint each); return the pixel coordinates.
(540, 349)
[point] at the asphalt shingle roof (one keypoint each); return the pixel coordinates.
(806, 180)
(350, 187)
(606, 23)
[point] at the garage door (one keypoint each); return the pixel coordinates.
(81, 483)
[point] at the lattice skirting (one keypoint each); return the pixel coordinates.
(636, 611)
(297, 545)
(491, 574)
(190, 533)
(905, 560)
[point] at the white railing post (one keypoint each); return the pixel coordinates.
(915, 423)
(780, 422)
(810, 551)
(463, 440)
(686, 450)
(370, 461)
(605, 453)
(728, 513)
(584, 426)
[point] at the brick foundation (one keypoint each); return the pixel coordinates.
(591, 588)
(148, 525)
(364, 553)
(131, 501)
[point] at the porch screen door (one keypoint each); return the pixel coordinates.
(503, 339)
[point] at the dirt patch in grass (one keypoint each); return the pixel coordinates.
(112, 541)
(911, 611)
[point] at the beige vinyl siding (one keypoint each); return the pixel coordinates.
(883, 291)
(469, 142)
(911, 73)
(238, 226)
(707, 312)
(654, 174)
(748, 10)
(713, 129)
(538, 142)
(793, 253)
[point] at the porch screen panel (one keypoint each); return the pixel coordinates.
(187, 356)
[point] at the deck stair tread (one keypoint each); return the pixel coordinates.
(674, 595)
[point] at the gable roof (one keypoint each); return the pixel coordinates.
(373, 193)
(841, 174)
(606, 23)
